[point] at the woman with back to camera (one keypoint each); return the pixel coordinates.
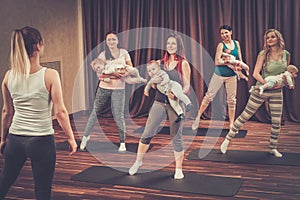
(272, 60)
(29, 91)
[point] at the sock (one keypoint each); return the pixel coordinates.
(178, 174)
(135, 167)
(224, 146)
(276, 153)
(122, 147)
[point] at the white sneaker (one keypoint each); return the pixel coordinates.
(84, 140)
(195, 124)
(276, 153)
(224, 146)
(122, 147)
(135, 167)
(178, 174)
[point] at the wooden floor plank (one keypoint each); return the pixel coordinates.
(260, 181)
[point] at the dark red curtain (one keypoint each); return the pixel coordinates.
(199, 20)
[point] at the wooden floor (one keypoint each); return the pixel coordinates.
(263, 182)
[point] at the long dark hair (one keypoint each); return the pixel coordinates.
(108, 54)
(180, 54)
(226, 27)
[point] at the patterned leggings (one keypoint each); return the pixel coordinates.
(255, 101)
(117, 105)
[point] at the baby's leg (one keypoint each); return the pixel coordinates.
(253, 87)
(177, 108)
(176, 89)
(245, 67)
(135, 73)
(242, 76)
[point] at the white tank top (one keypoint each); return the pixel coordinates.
(32, 104)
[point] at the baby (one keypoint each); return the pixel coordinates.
(230, 59)
(131, 74)
(166, 85)
(274, 81)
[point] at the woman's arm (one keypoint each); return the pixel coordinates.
(219, 61)
(186, 76)
(258, 68)
(53, 85)
(218, 56)
(7, 113)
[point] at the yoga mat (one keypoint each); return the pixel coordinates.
(200, 132)
(247, 157)
(95, 146)
(163, 180)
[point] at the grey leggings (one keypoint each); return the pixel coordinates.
(159, 112)
(117, 104)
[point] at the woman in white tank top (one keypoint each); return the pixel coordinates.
(29, 91)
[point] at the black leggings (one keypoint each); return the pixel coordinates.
(41, 151)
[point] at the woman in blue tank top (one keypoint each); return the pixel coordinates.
(224, 74)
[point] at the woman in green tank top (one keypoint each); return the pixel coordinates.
(272, 60)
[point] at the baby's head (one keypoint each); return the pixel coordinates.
(153, 68)
(293, 70)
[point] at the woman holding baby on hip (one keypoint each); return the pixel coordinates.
(111, 86)
(272, 60)
(178, 69)
(225, 73)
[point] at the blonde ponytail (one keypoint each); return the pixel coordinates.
(19, 59)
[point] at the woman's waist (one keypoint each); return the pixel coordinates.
(224, 71)
(112, 84)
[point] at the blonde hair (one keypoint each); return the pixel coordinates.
(266, 48)
(19, 59)
(23, 46)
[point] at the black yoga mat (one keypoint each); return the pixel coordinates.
(248, 157)
(212, 132)
(162, 180)
(95, 146)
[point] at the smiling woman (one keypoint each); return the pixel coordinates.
(224, 74)
(178, 69)
(272, 60)
(113, 89)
